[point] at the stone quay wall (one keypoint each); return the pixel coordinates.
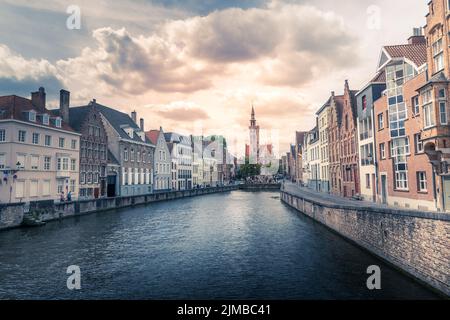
(12, 215)
(417, 243)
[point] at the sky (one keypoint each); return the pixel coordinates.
(198, 66)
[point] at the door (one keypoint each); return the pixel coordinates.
(384, 189)
(111, 188)
(374, 187)
(446, 183)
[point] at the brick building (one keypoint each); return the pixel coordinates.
(434, 99)
(348, 141)
(406, 177)
(336, 106)
(87, 121)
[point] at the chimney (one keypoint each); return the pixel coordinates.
(64, 102)
(142, 124)
(38, 98)
(417, 37)
(134, 116)
(332, 93)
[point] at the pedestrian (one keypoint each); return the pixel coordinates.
(61, 198)
(69, 196)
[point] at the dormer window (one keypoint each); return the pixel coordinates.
(45, 119)
(129, 131)
(58, 122)
(32, 116)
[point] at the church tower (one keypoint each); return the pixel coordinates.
(254, 139)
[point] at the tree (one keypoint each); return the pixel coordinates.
(249, 170)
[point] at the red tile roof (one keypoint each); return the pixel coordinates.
(379, 78)
(153, 136)
(417, 53)
(14, 107)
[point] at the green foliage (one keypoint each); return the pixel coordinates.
(249, 170)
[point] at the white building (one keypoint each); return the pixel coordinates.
(162, 162)
(181, 159)
(39, 152)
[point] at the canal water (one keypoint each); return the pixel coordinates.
(237, 245)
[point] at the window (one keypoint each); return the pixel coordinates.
(2, 135)
(401, 180)
(443, 112)
(34, 162)
(32, 116)
(383, 150)
(45, 119)
(47, 163)
(364, 102)
(72, 186)
(438, 56)
(63, 164)
(60, 186)
(428, 113)
(48, 141)
(46, 188)
(132, 155)
(125, 154)
(62, 142)
(58, 122)
(73, 165)
(418, 143)
(22, 136)
(380, 121)
(33, 188)
(415, 105)
(367, 181)
(2, 161)
(138, 157)
(74, 144)
(421, 181)
(35, 138)
(20, 163)
(20, 189)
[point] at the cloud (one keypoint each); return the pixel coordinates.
(180, 111)
(281, 45)
(21, 76)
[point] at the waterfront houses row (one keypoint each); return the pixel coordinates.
(95, 151)
(388, 142)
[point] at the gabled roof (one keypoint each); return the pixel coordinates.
(299, 137)
(416, 53)
(326, 104)
(177, 138)
(14, 107)
(77, 116)
(111, 159)
(339, 103)
(153, 136)
(380, 77)
(119, 121)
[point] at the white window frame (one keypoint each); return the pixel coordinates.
(22, 136)
(422, 185)
(48, 140)
(35, 138)
(2, 135)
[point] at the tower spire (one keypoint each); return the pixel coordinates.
(253, 118)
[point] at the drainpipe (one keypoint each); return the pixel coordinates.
(434, 187)
(375, 150)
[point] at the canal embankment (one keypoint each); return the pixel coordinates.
(417, 243)
(14, 215)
